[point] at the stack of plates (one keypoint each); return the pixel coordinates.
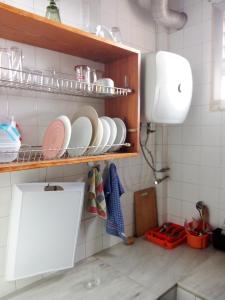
(88, 134)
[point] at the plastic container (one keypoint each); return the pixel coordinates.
(9, 143)
(197, 241)
(163, 239)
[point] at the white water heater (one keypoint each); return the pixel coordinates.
(166, 87)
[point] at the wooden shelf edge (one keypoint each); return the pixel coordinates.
(13, 167)
(25, 27)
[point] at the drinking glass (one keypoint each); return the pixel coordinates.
(90, 14)
(83, 75)
(94, 276)
(116, 33)
(37, 77)
(16, 63)
(5, 64)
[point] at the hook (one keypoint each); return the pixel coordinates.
(108, 162)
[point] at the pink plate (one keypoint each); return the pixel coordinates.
(54, 139)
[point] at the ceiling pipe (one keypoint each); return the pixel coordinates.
(167, 17)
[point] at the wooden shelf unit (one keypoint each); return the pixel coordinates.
(120, 62)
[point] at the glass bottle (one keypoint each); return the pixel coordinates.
(52, 12)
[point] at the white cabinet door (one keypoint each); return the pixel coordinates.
(184, 295)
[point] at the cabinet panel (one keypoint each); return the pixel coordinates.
(126, 108)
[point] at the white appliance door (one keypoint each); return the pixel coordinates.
(43, 229)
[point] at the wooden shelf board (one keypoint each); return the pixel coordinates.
(24, 27)
(11, 167)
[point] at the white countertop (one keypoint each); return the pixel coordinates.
(142, 271)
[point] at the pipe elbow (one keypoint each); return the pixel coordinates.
(167, 17)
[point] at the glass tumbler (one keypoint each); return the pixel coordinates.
(16, 63)
(116, 33)
(5, 64)
(94, 276)
(83, 75)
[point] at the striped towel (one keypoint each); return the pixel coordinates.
(96, 199)
(113, 190)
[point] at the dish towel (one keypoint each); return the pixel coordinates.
(96, 199)
(113, 190)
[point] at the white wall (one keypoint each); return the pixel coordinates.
(196, 148)
(33, 111)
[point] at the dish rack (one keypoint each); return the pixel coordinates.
(57, 83)
(29, 153)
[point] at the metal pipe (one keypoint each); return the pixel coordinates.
(167, 17)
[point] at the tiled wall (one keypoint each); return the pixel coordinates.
(196, 148)
(33, 111)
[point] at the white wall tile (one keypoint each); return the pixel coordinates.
(174, 135)
(174, 189)
(5, 179)
(80, 252)
(190, 192)
(173, 206)
(211, 156)
(191, 154)
(192, 35)
(201, 139)
(210, 135)
(93, 246)
(191, 135)
(174, 153)
(25, 4)
(93, 228)
(195, 13)
(190, 173)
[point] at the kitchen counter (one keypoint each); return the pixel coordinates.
(141, 271)
(207, 280)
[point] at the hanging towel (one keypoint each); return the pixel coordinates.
(113, 190)
(96, 199)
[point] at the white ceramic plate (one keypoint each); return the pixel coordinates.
(105, 137)
(81, 136)
(67, 124)
(121, 133)
(113, 133)
(89, 112)
(97, 140)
